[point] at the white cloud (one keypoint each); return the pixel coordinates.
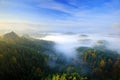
(96, 18)
(51, 4)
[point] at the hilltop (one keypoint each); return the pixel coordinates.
(11, 36)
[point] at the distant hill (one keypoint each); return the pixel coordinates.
(12, 36)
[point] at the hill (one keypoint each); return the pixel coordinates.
(21, 58)
(11, 37)
(104, 63)
(26, 58)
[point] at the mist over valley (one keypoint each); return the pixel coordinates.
(59, 39)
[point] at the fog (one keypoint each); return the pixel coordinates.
(66, 44)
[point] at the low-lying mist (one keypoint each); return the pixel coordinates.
(88, 55)
(66, 44)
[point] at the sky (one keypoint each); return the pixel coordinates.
(60, 15)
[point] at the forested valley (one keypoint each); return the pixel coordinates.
(26, 58)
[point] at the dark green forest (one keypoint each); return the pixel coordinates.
(25, 58)
(104, 63)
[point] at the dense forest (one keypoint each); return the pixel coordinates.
(25, 58)
(104, 63)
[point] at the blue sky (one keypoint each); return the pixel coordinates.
(60, 15)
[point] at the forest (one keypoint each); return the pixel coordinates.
(26, 58)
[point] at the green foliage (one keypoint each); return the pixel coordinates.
(64, 76)
(28, 59)
(23, 59)
(105, 64)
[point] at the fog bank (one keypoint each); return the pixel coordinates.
(66, 44)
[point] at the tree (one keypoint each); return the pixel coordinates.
(102, 63)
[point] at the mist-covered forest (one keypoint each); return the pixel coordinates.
(59, 39)
(27, 58)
